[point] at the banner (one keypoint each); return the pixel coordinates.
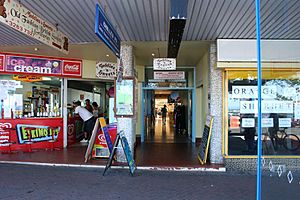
(39, 65)
(24, 21)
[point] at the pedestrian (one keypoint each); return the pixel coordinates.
(88, 105)
(164, 112)
(87, 117)
(96, 110)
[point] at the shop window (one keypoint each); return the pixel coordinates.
(280, 112)
(34, 97)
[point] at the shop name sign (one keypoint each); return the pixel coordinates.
(169, 75)
(164, 64)
(106, 70)
(105, 31)
(240, 92)
(19, 64)
(36, 133)
(26, 22)
(250, 107)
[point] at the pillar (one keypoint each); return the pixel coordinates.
(127, 124)
(215, 98)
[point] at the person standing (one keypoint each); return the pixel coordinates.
(96, 110)
(87, 117)
(164, 112)
(88, 105)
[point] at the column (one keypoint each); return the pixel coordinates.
(127, 124)
(215, 97)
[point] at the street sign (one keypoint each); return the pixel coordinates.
(105, 31)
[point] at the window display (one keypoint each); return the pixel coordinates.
(22, 99)
(280, 108)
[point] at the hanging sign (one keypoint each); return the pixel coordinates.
(105, 31)
(24, 21)
(106, 70)
(164, 64)
(169, 75)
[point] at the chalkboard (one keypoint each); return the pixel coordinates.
(128, 154)
(89, 149)
(204, 145)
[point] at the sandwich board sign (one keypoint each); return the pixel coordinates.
(204, 145)
(127, 152)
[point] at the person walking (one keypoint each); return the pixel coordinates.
(87, 117)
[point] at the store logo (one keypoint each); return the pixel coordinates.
(71, 129)
(4, 126)
(72, 68)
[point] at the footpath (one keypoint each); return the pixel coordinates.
(44, 182)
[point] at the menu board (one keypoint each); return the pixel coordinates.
(204, 145)
(124, 101)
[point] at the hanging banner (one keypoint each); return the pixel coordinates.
(23, 20)
(164, 64)
(106, 70)
(105, 31)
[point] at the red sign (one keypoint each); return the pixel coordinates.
(40, 65)
(2, 59)
(72, 68)
(39, 132)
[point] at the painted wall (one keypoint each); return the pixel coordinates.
(201, 94)
(141, 77)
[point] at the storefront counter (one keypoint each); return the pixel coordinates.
(32, 133)
(75, 130)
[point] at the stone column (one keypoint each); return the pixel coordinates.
(126, 124)
(215, 97)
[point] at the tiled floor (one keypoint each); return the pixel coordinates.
(162, 148)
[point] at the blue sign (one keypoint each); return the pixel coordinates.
(106, 32)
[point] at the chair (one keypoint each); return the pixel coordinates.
(9, 143)
(53, 139)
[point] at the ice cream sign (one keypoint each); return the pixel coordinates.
(32, 65)
(37, 65)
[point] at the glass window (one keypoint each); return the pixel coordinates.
(280, 112)
(29, 96)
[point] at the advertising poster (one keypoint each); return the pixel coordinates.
(39, 131)
(124, 101)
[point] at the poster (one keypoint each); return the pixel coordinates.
(124, 101)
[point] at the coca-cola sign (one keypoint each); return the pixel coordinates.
(2, 58)
(72, 68)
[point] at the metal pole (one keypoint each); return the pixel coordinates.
(259, 143)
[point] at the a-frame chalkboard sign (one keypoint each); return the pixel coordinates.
(127, 152)
(204, 145)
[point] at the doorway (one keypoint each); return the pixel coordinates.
(168, 116)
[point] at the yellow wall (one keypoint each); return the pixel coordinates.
(89, 69)
(201, 94)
